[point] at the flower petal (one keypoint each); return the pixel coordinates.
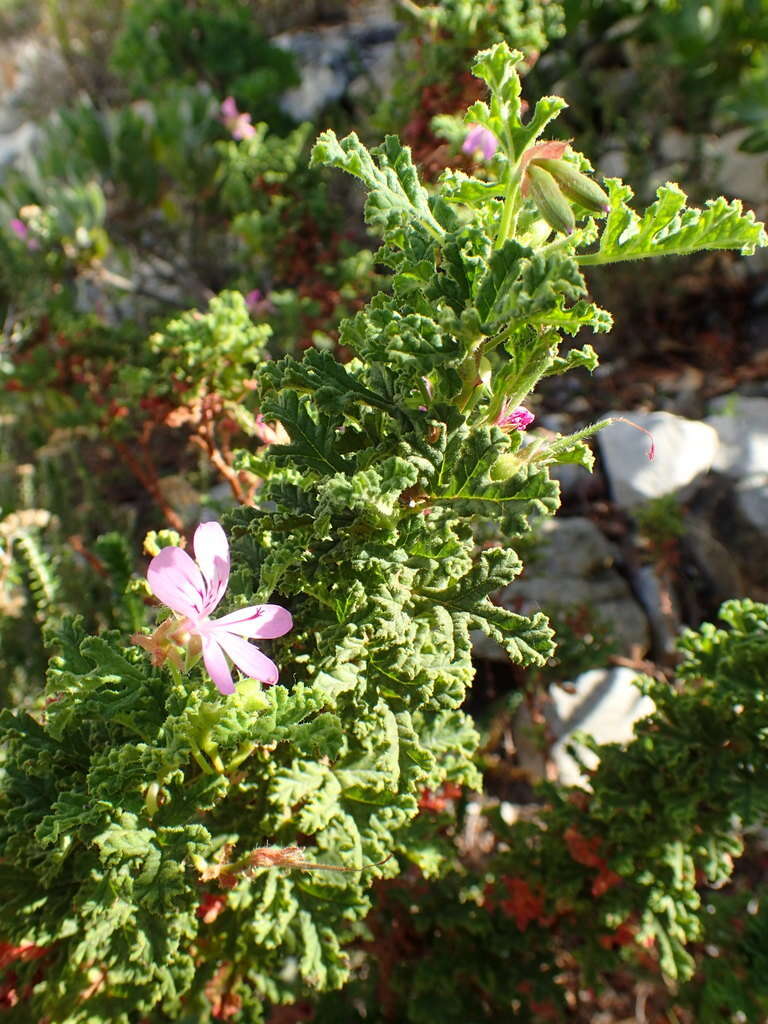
(212, 554)
(258, 620)
(217, 666)
(248, 658)
(175, 580)
(229, 108)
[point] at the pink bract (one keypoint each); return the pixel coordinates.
(193, 591)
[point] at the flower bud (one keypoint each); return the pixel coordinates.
(549, 200)
(505, 467)
(576, 186)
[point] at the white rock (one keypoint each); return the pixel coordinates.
(614, 163)
(741, 423)
(322, 58)
(605, 705)
(684, 450)
(18, 143)
(737, 173)
(573, 570)
(331, 59)
(752, 501)
(676, 146)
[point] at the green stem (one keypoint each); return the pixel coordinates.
(150, 801)
(175, 674)
(508, 219)
(510, 210)
(212, 752)
(469, 372)
(205, 767)
(244, 752)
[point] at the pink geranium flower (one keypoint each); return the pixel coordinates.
(518, 418)
(20, 229)
(237, 123)
(480, 140)
(194, 590)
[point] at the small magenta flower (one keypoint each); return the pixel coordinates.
(518, 418)
(21, 230)
(258, 304)
(237, 123)
(194, 590)
(480, 140)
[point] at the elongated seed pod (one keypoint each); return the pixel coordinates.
(576, 186)
(549, 200)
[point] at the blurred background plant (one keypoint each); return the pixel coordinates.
(649, 80)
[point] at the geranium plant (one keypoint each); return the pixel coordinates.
(137, 805)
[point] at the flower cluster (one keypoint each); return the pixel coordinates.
(237, 122)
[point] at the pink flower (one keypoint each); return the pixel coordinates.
(258, 304)
(518, 418)
(237, 123)
(194, 590)
(20, 229)
(480, 140)
(229, 108)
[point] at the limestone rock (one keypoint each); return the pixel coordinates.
(334, 60)
(741, 423)
(752, 501)
(573, 569)
(685, 449)
(604, 704)
(737, 173)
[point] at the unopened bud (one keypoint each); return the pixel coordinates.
(505, 467)
(549, 200)
(576, 186)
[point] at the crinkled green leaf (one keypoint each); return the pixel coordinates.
(671, 228)
(396, 197)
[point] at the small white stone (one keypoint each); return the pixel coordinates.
(684, 450)
(16, 144)
(741, 423)
(737, 173)
(573, 569)
(614, 162)
(752, 501)
(604, 704)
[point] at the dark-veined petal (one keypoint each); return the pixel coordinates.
(212, 554)
(258, 620)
